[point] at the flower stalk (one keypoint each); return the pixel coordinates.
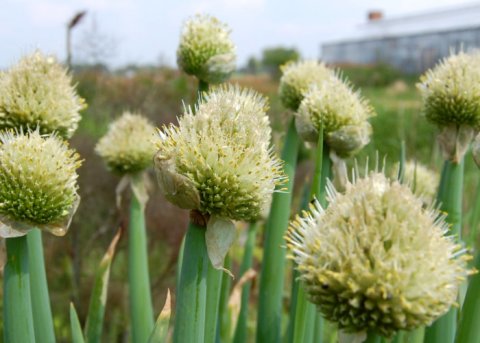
(17, 306)
(140, 299)
(273, 263)
(42, 313)
(192, 293)
(241, 329)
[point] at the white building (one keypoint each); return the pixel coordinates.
(411, 43)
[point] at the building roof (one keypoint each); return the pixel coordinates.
(451, 19)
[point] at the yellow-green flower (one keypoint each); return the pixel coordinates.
(376, 259)
(342, 113)
(297, 79)
(38, 92)
(206, 49)
(128, 146)
(451, 91)
(218, 161)
(38, 182)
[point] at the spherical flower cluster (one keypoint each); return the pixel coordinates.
(38, 181)
(128, 146)
(376, 259)
(298, 78)
(38, 92)
(217, 161)
(206, 50)
(451, 91)
(422, 181)
(341, 112)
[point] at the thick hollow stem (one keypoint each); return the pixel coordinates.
(42, 313)
(241, 329)
(468, 329)
(305, 314)
(450, 196)
(141, 312)
(17, 307)
(273, 263)
(192, 293)
(214, 283)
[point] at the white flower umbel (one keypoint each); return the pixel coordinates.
(342, 113)
(128, 147)
(218, 161)
(38, 183)
(206, 49)
(297, 78)
(376, 259)
(451, 100)
(38, 92)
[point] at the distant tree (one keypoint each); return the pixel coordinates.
(273, 58)
(253, 65)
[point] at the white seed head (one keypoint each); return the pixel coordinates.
(422, 181)
(451, 91)
(38, 179)
(206, 49)
(342, 113)
(222, 152)
(128, 146)
(298, 78)
(376, 259)
(38, 92)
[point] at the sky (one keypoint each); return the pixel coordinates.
(142, 31)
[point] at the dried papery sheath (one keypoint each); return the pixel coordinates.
(128, 146)
(376, 259)
(476, 150)
(298, 78)
(38, 183)
(422, 181)
(38, 92)
(206, 49)
(341, 112)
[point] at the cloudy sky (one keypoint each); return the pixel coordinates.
(142, 31)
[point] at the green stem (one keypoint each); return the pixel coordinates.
(305, 313)
(475, 219)
(273, 263)
(224, 328)
(241, 329)
(294, 287)
(17, 307)
(319, 327)
(372, 337)
(468, 328)
(42, 313)
(179, 262)
(214, 283)
(140, 299)
(192, 293)
(450, 197)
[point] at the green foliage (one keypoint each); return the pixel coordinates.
(378, 75)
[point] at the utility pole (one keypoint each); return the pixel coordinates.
(71, 24)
